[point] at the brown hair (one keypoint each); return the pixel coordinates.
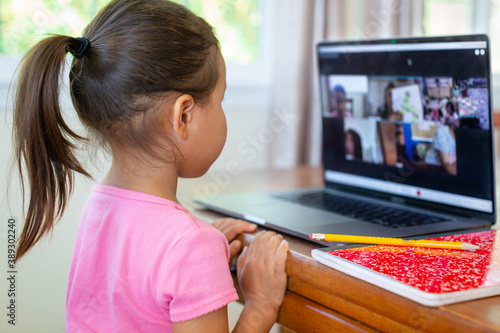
(140, 52)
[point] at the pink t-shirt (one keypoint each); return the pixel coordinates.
(142, 262)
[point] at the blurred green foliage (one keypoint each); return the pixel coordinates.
(24, 22)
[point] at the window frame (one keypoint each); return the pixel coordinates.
(245, 82)
(480, 10)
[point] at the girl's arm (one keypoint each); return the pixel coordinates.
(215, 321)
(450, 168)
(262, 278)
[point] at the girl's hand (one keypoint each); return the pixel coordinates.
(262, 276)
(231, 228)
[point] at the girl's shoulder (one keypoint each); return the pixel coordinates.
(142, 211)
(130, 200)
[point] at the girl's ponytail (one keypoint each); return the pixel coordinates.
(140, 51)
(43, 141)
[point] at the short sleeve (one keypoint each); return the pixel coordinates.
(195, 277)
(443, 140)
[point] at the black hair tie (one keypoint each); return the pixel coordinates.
(84, 44)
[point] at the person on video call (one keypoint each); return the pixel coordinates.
(443, 151)
(451, 116)
(385, 111)
(353, 150)
(338, 103)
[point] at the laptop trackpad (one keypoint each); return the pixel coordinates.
(293, 215)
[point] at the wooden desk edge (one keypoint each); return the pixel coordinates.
(341, 298)
(325, 288)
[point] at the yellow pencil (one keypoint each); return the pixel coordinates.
(393, 241)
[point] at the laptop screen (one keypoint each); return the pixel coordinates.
(410, 117)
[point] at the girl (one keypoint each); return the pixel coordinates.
(147, 80)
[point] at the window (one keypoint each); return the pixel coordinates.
(458, 18)
(452, 17)
(237, 26)
(241, 27)
(494, 28)
(24, 22)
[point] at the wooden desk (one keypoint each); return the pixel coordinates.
(321, 299)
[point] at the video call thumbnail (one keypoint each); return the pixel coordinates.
(391, 120)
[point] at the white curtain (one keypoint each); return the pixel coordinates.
(298, 26)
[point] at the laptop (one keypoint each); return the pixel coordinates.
(407, 143)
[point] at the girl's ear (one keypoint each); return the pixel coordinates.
(182, 115)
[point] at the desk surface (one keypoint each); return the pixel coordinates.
(321, 299)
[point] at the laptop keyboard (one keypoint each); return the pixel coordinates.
(362, 210)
